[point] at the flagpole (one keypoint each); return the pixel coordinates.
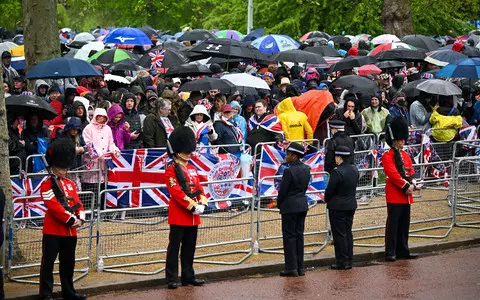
(250, 16)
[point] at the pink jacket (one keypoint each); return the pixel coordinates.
(100, 135)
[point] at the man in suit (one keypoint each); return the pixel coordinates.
(340, 196)
(293, 206)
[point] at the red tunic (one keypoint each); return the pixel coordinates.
(179, 210)
(396, 186)
(56, 217)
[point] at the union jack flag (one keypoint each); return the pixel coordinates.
(25, 208)
(272, 158)
(134, 169)
(157, 57)
(270, 123)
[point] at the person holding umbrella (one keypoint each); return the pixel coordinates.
(16, 145)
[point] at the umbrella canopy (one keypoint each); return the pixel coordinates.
(246, 80)
(84, 52)
(63, 67)
(18, 51)
(323, 51)
(174, 45)
(196, 35)
(339, 39)
(19, 63)
(253, 35)
(18, 39)
(110, 56)
(439, 87)
(127, 36)
(313, 34)
(356, 84)
(410, 89)
(401, 54)
(116, 78)
(299, 56)
(222, 60)
(368, 69)
(206, 84)
(390, 64)
(351, 62)
(124, 65)
(390, 46)
(150, 32)
(84, 37)
(468, 68)
(444, 57)
(188, 70)
(274, 43)
(227, 48)
(467, 50)
(24, 105)
(421, 42)
(316, 41)
(385, 39)
(230, 34)
(161, 58)
(6, 46)
(313, 103)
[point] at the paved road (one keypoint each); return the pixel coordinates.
(451, 275)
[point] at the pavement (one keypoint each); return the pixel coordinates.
(450, 275)
(107, 283)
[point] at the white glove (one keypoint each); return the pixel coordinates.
(199, 209)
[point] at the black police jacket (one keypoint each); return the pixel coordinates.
(295, 181)
(340, 138)
(340, 193)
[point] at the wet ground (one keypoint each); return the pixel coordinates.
(450, 275)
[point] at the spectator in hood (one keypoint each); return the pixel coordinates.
(397, 84)
(41, 88)
(16, 145)
(248, 106)
(34, 130)
(54, 99)
(201, 124)
(78, 110)
(134, 121)
(120, 129)
(9, 73)
(445, 115)
(162, 87)
(151, 99)
(399, 108)
(350, 114)
(187, 106)
(140, 98)
(73, 131)
(238, 118)
(294, 123)
(176, 82)
(297, 72)
(103, 94)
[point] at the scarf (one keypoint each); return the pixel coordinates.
(201, 135)
(233, 126)
(167, 124)
(269, 123)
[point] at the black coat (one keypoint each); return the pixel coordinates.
(185, 110)
(133, 119)
(340, 138)
(15, 148)
(291, 196)
(352, 127)
(226, 135)
(340, 193)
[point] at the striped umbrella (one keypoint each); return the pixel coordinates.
(274, 43)
(390, 46)
(110, 56)
(230, 34)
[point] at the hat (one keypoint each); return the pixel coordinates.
(61, 153)
(285, 80)
(249, 100)
(176, 80)
(397, 129)
(215, 68)
(343, 151)
(6, 54)
(54, 88)
(182, 140)
(151, 95)
(352, 52)
(267, 74)
(457, 46)
(297, 148)
(19, 78)
(73, 123)
(226, 108)
(337, 124)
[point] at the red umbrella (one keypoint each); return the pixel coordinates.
(390, 46)
(368, 69)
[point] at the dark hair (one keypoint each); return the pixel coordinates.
(264, 103)
(220, 97)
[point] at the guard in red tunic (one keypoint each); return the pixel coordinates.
(64, 215)
(187, 203)
(400, 185)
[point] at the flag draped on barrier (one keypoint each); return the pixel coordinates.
(25, 208)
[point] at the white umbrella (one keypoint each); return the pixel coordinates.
(6, 46)
(246, 80)
(120, 79)
(84, 37)
(385, 39)
(439, 87)
(85, 50)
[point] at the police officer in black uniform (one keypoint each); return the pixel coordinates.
(293, 206)
(339, 138)
(340, 196)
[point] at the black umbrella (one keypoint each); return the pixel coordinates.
(228, 48)
(318, 34)
(222, 60)
(158, 58)
(401, 54)
(196, 35)
(317, 40)
(24, 105)
(173, 45)
(339, 39)
(253, 35)
(206, 84)
(390, 64)
(152, 33)
(323, 51)
(410, 89)
(467, 50)
(351, 62)
(299, 56)
(421, 42)
(124, 65)
(356, 84)
(188, 70)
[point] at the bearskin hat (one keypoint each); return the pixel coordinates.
(61, 153)
(396, 129)
(182, 140)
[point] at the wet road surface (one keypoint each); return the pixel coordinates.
(451, 275)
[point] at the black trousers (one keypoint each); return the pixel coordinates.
(64, 247)
(187, 236)
(293, 227)
(341, 223)
(397, 228)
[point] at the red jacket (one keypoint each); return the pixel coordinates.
(58, 107)
(56, 217)
(396, 186)
(179, 210)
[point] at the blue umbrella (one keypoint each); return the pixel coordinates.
(253, 35)
(445, 57)
(18, 63)
(63, 67)
(467, 68)
(127, 36)
(274, 43)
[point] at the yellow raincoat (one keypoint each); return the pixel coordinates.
(294, 123)
(440, 121)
